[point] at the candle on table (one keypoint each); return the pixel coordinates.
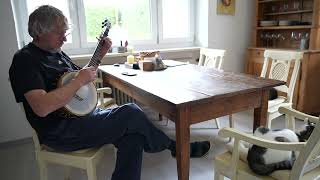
(130, 59)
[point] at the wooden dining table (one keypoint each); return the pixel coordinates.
(189, 94)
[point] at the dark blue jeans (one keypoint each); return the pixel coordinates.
(127, 127)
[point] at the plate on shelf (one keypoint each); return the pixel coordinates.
(288, 23)
(285, 23)
(268, 23)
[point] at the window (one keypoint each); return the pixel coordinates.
(124, 15)
(143, 23)
(175, 19)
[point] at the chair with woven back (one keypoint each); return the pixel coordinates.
(306, 166)
(278, 65)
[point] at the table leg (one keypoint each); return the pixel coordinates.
(182, 143)
(260, 113)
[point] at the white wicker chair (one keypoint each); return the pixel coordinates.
(307, 165)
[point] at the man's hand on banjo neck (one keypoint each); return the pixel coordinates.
(106, 45)
(89, 74)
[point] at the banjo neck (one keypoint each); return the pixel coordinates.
(96, 59)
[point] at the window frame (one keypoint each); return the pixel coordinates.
(79, 43)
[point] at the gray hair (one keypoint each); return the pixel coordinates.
(44, 19)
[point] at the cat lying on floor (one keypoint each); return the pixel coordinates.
(264, 161)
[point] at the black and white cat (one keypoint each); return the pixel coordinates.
(264, 161)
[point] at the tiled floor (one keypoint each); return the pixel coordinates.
(17, 162)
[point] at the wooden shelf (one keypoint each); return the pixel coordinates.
(285, 49)
(267, 1)
(285, 27)
(289, 12)
(306, 95)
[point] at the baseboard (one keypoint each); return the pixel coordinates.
(15, 143)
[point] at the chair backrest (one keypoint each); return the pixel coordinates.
(39, 147)
(309, 157)
(35, 138)
(99, 81)
(280, 69)
(211, 57)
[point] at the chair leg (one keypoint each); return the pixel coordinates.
(269, 121)
(231, 121)
(91, 172)
(67, 173)
(114, 151)
(43, 170)
(290, 122)
(217, 123)
(160, 117)
(167, 123)
(217, 175)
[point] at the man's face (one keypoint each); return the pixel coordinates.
(55, 38)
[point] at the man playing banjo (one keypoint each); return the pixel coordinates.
(34, 73)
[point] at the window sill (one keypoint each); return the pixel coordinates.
(110, 58)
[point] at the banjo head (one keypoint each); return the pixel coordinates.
(85, 99)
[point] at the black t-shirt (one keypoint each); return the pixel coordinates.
(33, 68)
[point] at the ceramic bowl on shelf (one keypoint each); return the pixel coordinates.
(268, 23)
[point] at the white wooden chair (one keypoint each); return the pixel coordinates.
(213, 58)
(306, 166)
(279, 70)
(103, 100)
(86, 159)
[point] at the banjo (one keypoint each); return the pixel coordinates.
(85, 100)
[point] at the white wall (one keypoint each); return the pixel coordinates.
(13, 124)
(231, 33)
(214, 31)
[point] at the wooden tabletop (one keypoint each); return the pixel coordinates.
(190, 83)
